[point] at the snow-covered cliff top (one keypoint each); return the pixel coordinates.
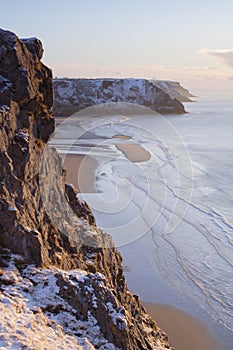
(73, 95)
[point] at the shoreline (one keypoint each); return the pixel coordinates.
(183, 330)
(81, 168)
(81, 172)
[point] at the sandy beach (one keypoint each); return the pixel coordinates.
(134, 152)
(123, 137)
(81, 172)
(184, 331)
(81, 168)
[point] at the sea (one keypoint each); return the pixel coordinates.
(171, 216)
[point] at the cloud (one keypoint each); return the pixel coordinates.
(224, 55)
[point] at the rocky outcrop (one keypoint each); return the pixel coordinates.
(49, 242)
(73, 95)
(174, 90)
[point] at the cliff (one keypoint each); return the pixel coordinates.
(174, 89)
(73, 95)
(61, 279)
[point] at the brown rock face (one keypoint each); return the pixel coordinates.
(26, 227)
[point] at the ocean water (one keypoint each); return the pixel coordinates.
(171, 216)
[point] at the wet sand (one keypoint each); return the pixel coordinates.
(184, 331)
(135, 153)
(81, 172)
(123, 137)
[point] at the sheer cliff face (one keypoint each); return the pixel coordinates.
(73, 95)
(95, 289)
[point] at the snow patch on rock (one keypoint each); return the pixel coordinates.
(34, 316)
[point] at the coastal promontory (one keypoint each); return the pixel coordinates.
(73, 95)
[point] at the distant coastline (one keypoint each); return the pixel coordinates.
(73, 95)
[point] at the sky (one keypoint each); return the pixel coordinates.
(186, 41)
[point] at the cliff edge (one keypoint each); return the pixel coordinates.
(174, 89)
(59, 289)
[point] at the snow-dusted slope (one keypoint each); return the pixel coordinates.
(73, 95)
(34, 313)
(38, 309)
